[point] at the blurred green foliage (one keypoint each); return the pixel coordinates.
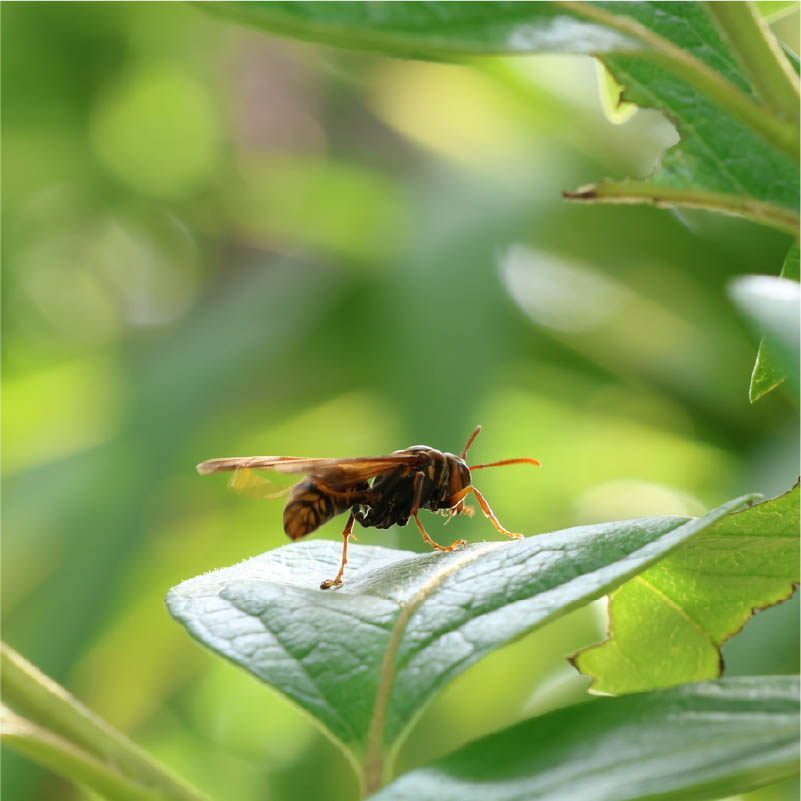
(219, 243)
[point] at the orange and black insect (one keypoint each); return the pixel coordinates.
(380, 491)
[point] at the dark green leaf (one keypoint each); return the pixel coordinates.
(699, 741)
(667, 624)
(435, 30)
(365, 659)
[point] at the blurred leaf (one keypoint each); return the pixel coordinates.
(334, 206)
(666, 626)
(158, 132)
(364, 660)
(772, 10)
(735, 155)
(66, 737)
(699, 741)
(767, 373)
(611, 93)
(771, 307)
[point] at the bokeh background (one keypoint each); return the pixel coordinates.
(221, 243)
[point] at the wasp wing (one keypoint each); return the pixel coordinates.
(250, 482)
(335, 473)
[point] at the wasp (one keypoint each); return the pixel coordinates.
(379, 491)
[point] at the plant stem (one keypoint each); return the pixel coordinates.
(779, 132)
(760, 54)
(64, 757)
(665, 196)
(59, 722)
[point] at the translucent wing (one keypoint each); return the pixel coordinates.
(251, 483)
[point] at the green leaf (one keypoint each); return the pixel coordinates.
(433, 30)
(55, 729)
(721, 162)
(771, 307)
(365, 659)
(70, 760)
(735, 155)
(768, 374)
(773, 10)
(667, 624)
(699, 741)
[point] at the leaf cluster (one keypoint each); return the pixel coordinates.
(365, 661)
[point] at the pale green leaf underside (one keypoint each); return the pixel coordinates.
(771, 306)
(700, 741)
(365, 659)
(668, 623)
(768, 372)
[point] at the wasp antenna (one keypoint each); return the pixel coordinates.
(505, 461)
(470, 441)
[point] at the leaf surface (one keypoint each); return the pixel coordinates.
(706, 740)
(365, 659)
(667, 624)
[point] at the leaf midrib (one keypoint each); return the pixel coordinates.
(374, 758)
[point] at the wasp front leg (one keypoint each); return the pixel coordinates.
(458, 497)
(459, 509)
(337, 582)
(418, 494)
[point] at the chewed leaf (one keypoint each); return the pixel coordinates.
(365, 659)
(668, 623)
(736, 155)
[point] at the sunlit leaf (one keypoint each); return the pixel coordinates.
(667, 624)
(773, 10)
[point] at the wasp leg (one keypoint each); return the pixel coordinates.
(485, 507)
(458, 509)
(419, 478)
(418, 494)
(435, 545)
(337, 582)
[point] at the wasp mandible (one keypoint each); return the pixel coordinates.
(379, 491)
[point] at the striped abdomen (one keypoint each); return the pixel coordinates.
(309, 506)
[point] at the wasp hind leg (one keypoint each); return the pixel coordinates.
(337, 582)
(418, 494)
